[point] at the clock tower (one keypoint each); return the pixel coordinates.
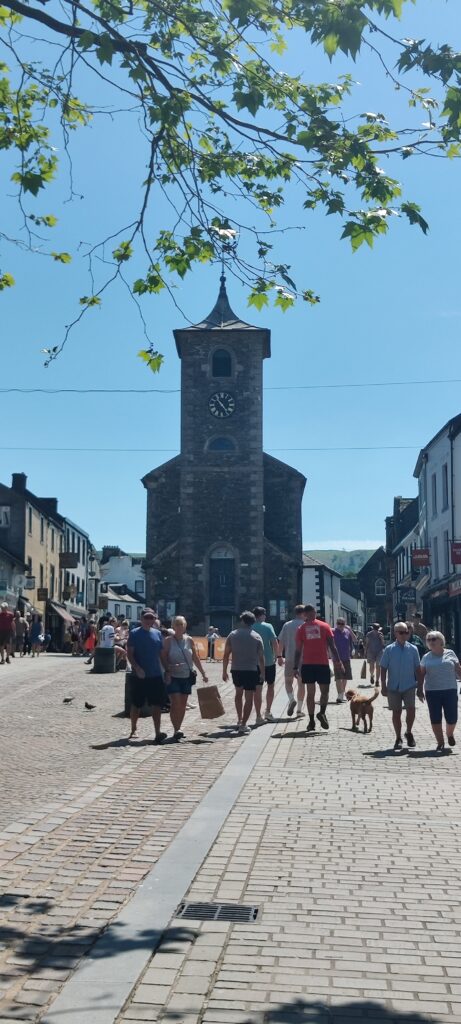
(215, 511)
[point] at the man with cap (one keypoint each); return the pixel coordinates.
(143, 652)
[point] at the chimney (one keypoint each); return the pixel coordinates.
(19, 482)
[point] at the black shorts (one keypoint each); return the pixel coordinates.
(149, 691)
(245, 680)
(269, 674)
(316, 674)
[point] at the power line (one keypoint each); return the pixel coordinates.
(127, 451)
(275, 387)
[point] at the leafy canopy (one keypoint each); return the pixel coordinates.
(227, 128)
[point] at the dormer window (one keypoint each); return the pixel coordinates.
(221, 365)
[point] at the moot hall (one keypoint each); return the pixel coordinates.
(223, 517)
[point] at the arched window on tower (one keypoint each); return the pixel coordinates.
(221, 365)
(221, 444)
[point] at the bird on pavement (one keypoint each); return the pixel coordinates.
(67, 700)
(89, 707)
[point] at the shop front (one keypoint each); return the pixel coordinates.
(442, 611)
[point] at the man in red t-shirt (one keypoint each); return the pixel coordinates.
(7, 632)
(314, 644)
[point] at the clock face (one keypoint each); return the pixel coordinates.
(221, 404)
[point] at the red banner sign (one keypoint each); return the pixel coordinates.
(420, 557)
(456, 552)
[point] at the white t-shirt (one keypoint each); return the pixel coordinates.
(440, 670)
(287, 638)
(107, 636)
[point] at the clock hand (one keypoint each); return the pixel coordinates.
(219, 402)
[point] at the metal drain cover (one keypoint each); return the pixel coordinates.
(218, 912)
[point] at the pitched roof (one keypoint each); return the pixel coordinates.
(313, 563)
(222, 318)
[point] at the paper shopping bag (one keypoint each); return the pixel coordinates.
(210, 702)
(363, 673)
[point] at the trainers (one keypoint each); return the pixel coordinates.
(311, 726)
(440, 748)
(291, 707)
(269, 717)
(178, 736)
(259, 720)
(411, 742)
(300, 714)
(451, 741)
(244, 730)
(398, 745)
(322, 718)
(160, 739)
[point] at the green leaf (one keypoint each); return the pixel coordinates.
(123, 253)
(412, 211)
(90, 300)
(61, 257)
(6, 281)
(331, 43)
(152, 358)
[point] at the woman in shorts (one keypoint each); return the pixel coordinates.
(440, 672)
(179, 656)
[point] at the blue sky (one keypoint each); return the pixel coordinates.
(393, 314)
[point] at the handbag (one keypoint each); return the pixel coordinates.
(209, 702)
(363, 673)
(192, 677)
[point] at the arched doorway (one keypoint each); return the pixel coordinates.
(222, 588)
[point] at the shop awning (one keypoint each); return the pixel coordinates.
(63, 613)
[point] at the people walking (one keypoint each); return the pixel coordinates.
(147, 687)
(374, 645)
(419, 627)
(245, 649)
(178, 657)
(211, 638)
(345, 640)
(400, 674)
(314, 643)
(271, 650)
(440, 671)
(21, 630)
(287, 647)
(35, 633)
(7, 633)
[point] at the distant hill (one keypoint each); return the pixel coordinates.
(347, 563)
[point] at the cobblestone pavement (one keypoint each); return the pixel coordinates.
(85, 815)
(352, 855)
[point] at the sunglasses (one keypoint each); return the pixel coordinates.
(149, 617)
(402, 632)
(431, 639)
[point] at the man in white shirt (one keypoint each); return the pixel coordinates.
(107, 635)
(287, 643)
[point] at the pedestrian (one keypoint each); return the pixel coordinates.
(400, 674)
(419, 627)
(147, 687)
(106, 632)
(7, 633)
(271, 652)
(178, 657)
(287, 647)
(35, 633)
(21, 633)
(344, 640)
(440, 671)
(211, 637)
(314, 643)
(246, 650)
(374, 645)
(90, 642)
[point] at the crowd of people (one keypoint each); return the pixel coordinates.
(164, 662)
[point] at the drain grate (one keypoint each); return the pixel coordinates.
(218, 912)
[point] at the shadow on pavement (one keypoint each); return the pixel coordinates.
(299, 1011)
(379, 755)
(302, 735)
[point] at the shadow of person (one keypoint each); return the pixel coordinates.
(301, 1011)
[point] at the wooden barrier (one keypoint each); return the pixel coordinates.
(201, 646)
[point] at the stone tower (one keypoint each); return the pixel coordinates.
(223, 518)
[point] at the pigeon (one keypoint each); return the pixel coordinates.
(89, 707)
(67, 700)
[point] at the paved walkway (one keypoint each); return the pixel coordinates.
(349, 852)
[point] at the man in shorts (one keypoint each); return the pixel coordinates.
(245, 648)
(7, 633)
(287, 647)
(147, 687)
(344, 639)
(400, 674)
(271, 650)
(314, 643)
(374, 644)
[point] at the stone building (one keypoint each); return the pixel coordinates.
(223, 518)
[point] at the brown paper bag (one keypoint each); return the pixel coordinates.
(210, 702)
(363, 673)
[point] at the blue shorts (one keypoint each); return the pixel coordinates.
(177, 685)
(442, 700)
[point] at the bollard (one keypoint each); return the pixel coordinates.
(104, 659)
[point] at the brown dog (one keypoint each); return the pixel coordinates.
(361, 708)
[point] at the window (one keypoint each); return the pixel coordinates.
(434, 494)
(83, 550)
(117, 609)
(380, 588)
(221, 363)
(52, 539)
(222, 444)
(42, 529)
(67, 540)
(435, 548)
(139, 586)
(128, 611)
(5, 516)
(73, 541)
(29, 566)
(139, 611)
(42, 576)
(67, 579)
(52, 581)
(444, 486)
(29, 510)
(78, 548)
(446, 553)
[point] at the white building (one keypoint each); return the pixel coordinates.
(116, 566)
(438, 472)
(352, 604)
(75, 582)
(321, 587)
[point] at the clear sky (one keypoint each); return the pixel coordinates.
(391, 314)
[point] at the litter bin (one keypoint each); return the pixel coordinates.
(104, 659)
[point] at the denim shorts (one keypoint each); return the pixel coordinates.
(442, 700)
(177, 685)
